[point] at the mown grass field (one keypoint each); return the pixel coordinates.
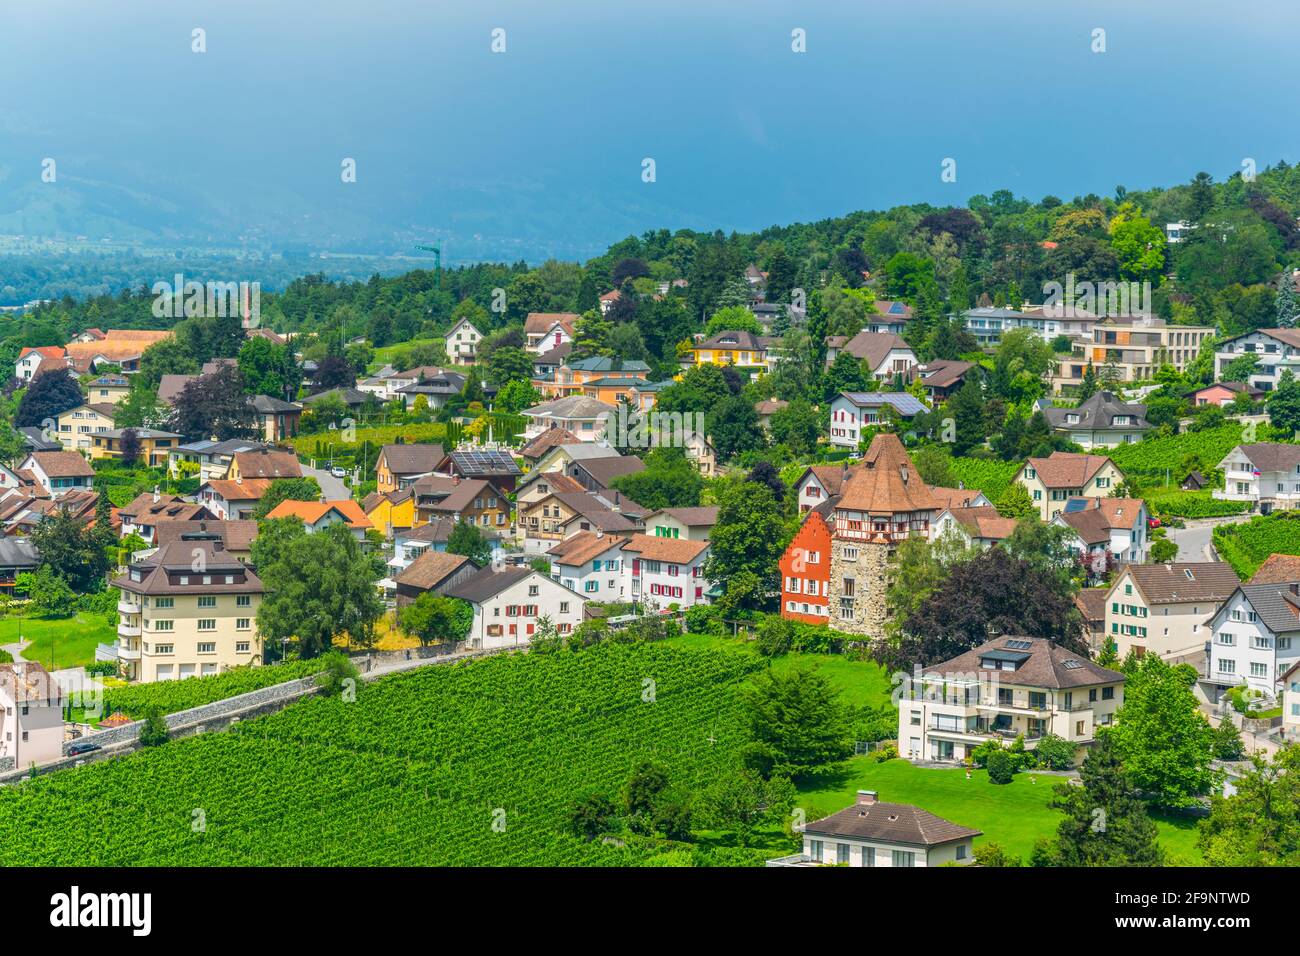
(72, 639)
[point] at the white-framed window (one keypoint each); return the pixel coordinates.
(207, 624)
(207, 647)
(242, 623)
(207, 600)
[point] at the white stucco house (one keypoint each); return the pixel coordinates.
(591, 564)
(1266, 474)
(1255, 639)
(508, 605)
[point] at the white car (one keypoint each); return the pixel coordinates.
(338, 472)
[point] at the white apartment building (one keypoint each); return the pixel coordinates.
(1265, 474)
(1277, 351)
(508, 605)
(664, 572)
(1165, 609)
(188, 609)
(1009, 687)
(1256, 639)
(591, 564)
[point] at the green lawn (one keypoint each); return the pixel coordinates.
(861, 682)
(73, 639)
(1014, 815)
(385, 355)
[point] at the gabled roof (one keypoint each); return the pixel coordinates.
(62, 464)
(313, 511)
(605, 470)
(886, 481)
(572, 407)
(1091, 603)
(555, 356)
(955, 497)
(435, 531)
(1278, 605)
(577, 550)
(246, 489)
(266, 405)
(898, 823)
(904, 403)
(1272, 456)
(1064, 469)
(430, 569)
(147, 507)
(1042, 664)
(984, 521)
(1278, 569)
(874, 347)
(1093, 519)
(1099, 411)
(1209, 581)
(171, 385)
(267, 463)
(416, 459)
(671, 550)
(539, 446)
(705, 516)
(556, 481)
(830, 477)
(476, 463)
(588, 507)
(942, 373)
(452, 496)
(539, 323)
(163, 570)
(1289, 337)
(237, 535)
(608, 363)
(485, 584)
(734, 339)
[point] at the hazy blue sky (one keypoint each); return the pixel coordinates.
(539, 149)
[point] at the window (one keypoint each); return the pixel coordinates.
(243, 600)
(164, 648)
(1258, 670)
(207, 624)
(868, 856)
(961, 851)
(1227, 666)
(815, 849)
(842, 853)
(207, 647)
(163, 625)
(241, 647)
(164, 602)
(564, 607)
(1225, 639)
(207, 600)
(242, 623)
(903, 858)
(1108, 693)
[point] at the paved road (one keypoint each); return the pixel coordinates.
(1194, 541)
(333, 488)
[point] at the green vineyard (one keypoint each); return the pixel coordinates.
(467, 764)
(1246, 546)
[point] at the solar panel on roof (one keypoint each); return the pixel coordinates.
(1072, 664)
(1019, 645)
(1076, 504)
(897, 308)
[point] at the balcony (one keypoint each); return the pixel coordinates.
(127, 652)
(127, 630)
(126, 606)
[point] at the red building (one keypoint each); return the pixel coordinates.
(806, 569)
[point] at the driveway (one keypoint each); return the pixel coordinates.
(333, 488)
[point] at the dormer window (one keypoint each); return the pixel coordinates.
(1072, 419)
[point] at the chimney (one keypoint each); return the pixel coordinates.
(866, 797)
(155, 492)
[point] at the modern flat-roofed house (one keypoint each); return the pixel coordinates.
(1256, 639)
(852, 413)
(400, 466)
(58, 472)
(872, 833)
(1277, 351)
(31, 715)
(1111, 526)
(1266, 474)
(1008, 687)
(1133, 347)
(1054, 480)
(1165, 609)
(175, 621)
(1100, 421)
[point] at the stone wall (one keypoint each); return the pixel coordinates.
(870, 573)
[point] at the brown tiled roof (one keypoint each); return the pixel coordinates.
(1064, 469)
(559, 481)
(163, 570)
(371, 501)
(267, 463)
(555, 356)
(1179, 583)
(539, 446)
(237, 535)
(248, 489)
(940, 373)
(456, 497)
(899, 823)
(692, 517)
(116, 345)
(28, 681)
(171, 385)
(416, 459)
(144, 503)
(984, 521)
(587, 505)
(1042, 664)
(540, 322)
(582, 547)
(312, 511)
(830, 477)
(605, 470)
(430, 569)
(63, 464)
(769, 406)
(1091, 603)
(485, 584)
(886, 481)
(954, 497)
(1272, 456)
(673, 550)
(872, 347)
(1278, 569)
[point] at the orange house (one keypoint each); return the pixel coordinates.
(806, 571)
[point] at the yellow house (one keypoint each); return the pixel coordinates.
(392, 511)
(108, 390)
(1054, 480)
(78, 425)
(155, 446)
(741, 349)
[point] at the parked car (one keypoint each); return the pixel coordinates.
(338, 472)
(1153, 522)
(82, 747)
